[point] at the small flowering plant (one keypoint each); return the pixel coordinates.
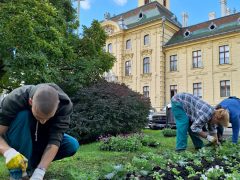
(214, 172)
(207, 164)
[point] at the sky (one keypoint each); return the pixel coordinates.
(197, 9)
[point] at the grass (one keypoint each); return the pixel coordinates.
(90, 163)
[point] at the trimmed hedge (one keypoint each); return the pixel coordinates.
(169, 132)
(119, 143)
(107, 108)
(127, 142)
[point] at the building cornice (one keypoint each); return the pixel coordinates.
(197, 40)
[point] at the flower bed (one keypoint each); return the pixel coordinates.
(208, 163)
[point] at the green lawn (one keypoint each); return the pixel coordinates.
(91, 163)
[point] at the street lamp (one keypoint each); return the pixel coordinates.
(14, 52)
(78, 15)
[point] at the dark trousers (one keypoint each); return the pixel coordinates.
(21, 137)
(220, 131)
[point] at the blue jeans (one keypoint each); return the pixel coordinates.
(21, 137)
(183, 127)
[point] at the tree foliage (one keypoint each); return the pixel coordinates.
(36, 31)
(93, 60)
(38, 45)
(107, 108)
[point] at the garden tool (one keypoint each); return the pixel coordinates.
(17, 174)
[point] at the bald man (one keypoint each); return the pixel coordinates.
(33, 122)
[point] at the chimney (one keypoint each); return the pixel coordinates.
(223, 4)
(107, 16)
(211, 16)
(228, 11)
(122, 23)
(234, 11)
(184, 19)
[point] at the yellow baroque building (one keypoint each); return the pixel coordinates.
(158, 57)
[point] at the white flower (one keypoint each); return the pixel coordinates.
(210, 169)
(203, 177)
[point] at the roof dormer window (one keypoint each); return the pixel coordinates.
(140, 16)
(187, 33)
(212, 26)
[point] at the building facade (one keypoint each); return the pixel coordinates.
(157, 57)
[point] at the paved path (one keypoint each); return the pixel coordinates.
(227, 132)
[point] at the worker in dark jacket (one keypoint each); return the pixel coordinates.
(232, 104)
(33, 121)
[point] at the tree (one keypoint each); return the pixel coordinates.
(38, 45)
(33, 42)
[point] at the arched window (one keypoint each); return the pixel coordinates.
(128, 44)
(128, 68)
(110, 47)
(146, 65)
(146, 39)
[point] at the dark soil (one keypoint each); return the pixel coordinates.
(183, 172)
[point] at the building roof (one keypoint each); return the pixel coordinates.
(226, 24)
(150, 12)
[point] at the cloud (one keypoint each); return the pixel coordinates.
(85, 4)
(120, 2)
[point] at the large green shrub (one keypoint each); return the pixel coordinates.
(107, 108)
